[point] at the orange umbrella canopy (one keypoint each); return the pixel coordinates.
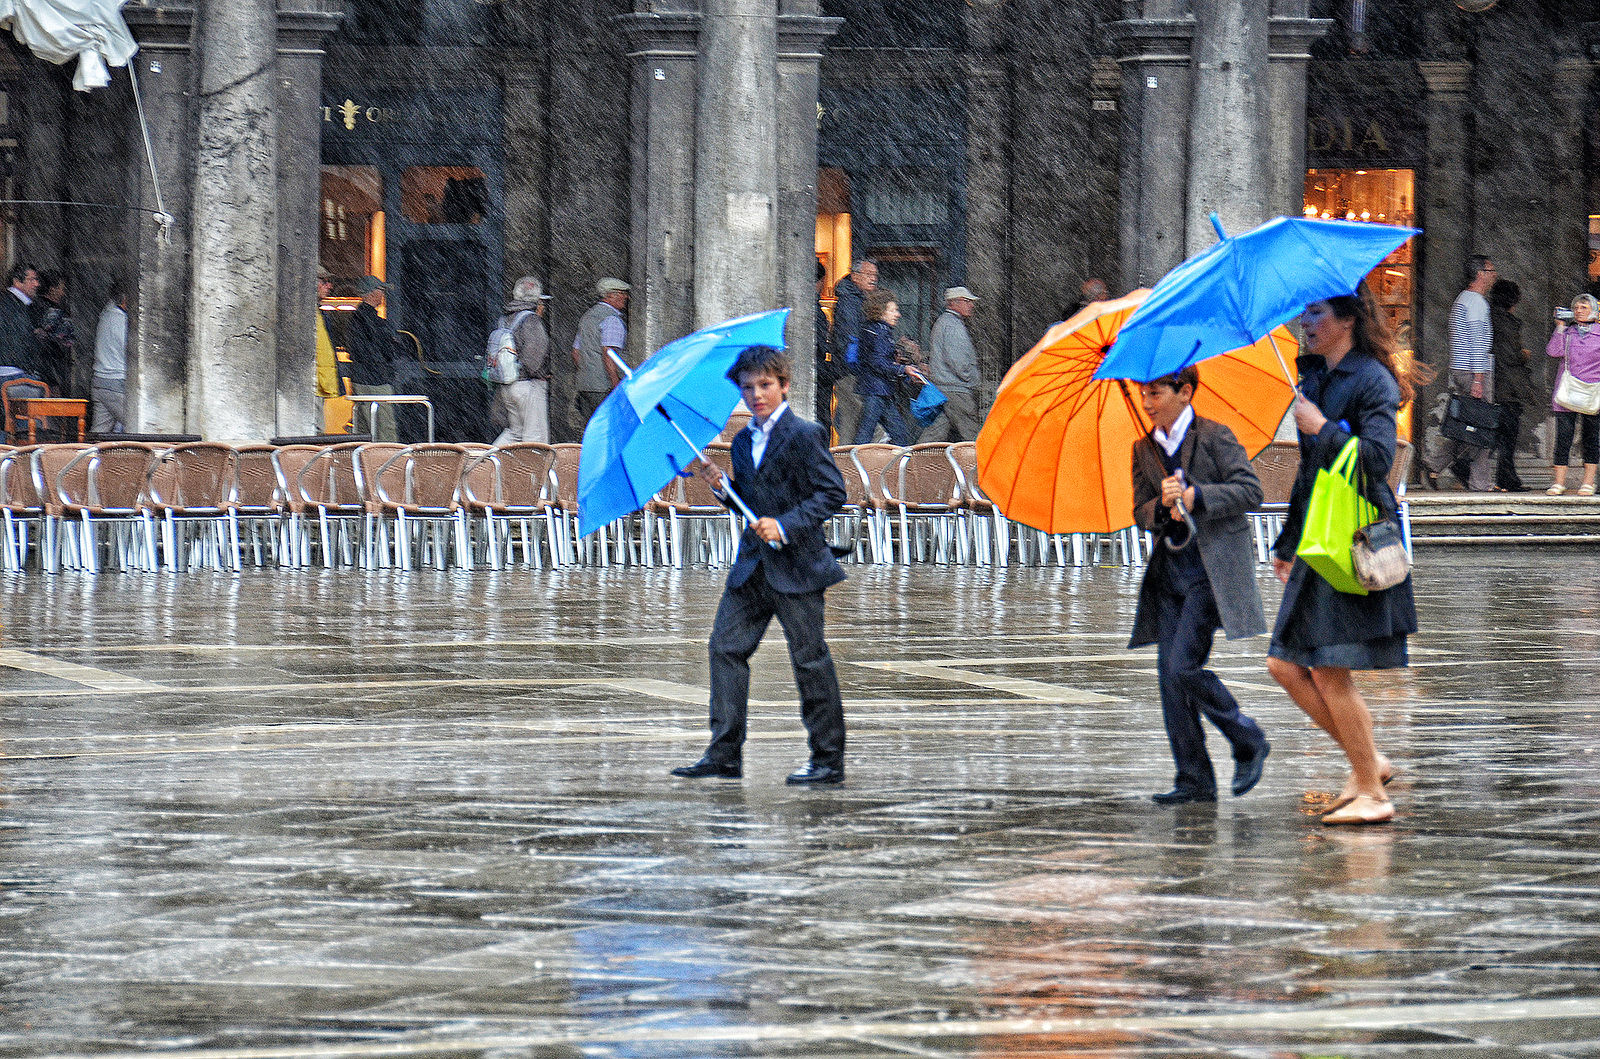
(1056, 450)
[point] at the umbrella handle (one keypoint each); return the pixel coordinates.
(727, 489)
(1188, 522)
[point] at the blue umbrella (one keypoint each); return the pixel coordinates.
(656, 421)
(1235, 293)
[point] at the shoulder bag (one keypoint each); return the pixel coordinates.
(1573, 393)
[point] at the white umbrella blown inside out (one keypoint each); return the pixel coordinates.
(92, 32)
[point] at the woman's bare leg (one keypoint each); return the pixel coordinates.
(1353, 721)
(1302, 686)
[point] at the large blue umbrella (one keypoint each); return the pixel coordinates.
(653, 425)
(1235, 293)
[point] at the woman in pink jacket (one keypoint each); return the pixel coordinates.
(1577, 343)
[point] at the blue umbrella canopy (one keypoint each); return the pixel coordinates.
(1235, 293)
(632, 445)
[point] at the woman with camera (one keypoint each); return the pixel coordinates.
(1576, 343)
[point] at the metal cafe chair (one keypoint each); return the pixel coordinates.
(47, 464)
(426, 505)
(110, 493)
(327, 485)
(510, 488)
(188, 488)
(922, 485)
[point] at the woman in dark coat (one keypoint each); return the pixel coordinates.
(877, 374)
(1351, 385)
(1514, 388)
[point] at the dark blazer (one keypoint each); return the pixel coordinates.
(371, 340)
(19, 346)
(1226, 490)
(799, 485)
(877, 374)
(1362, 395)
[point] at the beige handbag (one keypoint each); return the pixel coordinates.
(1575, 395)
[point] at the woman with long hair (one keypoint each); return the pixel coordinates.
(1351, 385)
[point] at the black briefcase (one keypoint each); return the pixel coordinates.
(1470, 420)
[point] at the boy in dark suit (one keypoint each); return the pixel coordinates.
(784, 472)
(1201, 578)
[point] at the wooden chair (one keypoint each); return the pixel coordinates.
(16, 426)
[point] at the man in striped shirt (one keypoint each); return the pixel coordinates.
(1471, 372)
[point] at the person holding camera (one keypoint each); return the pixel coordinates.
(1576, 343)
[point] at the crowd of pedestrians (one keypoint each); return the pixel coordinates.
(1490, 363)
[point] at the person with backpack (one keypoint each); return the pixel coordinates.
(849, 293)
(519, 366)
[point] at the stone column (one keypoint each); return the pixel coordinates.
(1290, 35)
(1154, 51)
(1227, 120)
(158, 274)
(990, 172)
(1444, 214)
(800, 40)
(736, 160)
(662, 48)
(299, 136)
(233, 362)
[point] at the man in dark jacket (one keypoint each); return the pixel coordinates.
(848, 293)
(19, 345)
(372, 340)
(783, 471)
(1201, 578)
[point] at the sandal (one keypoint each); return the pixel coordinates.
(1557, 490)
(1586, 489)
(1363, 809)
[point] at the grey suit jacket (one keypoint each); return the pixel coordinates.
(1212, 460)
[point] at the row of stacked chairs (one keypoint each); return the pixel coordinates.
(145, 506)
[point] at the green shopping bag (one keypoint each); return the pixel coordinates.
(1334, 514)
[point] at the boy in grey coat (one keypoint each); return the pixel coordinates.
(1193, 488)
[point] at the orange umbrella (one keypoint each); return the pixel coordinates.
(1056, 450)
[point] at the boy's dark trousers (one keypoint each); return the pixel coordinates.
(742, 619)
(1187, 622)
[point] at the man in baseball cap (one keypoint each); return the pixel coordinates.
(602, 335)
(953, 363)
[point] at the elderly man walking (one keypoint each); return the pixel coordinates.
(602, 336)
(953, 364)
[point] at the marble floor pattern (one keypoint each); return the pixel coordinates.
(292, 814)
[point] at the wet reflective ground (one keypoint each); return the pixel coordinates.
(292, 814)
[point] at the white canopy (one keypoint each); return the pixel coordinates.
(92, 31)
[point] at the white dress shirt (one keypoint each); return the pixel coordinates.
(761, 433)
(1171, 442)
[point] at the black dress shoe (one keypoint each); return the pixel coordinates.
(814, 773)
(1246, 774)
(706, 767)
(1183, 795)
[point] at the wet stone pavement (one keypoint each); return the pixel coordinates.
(294, 814)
